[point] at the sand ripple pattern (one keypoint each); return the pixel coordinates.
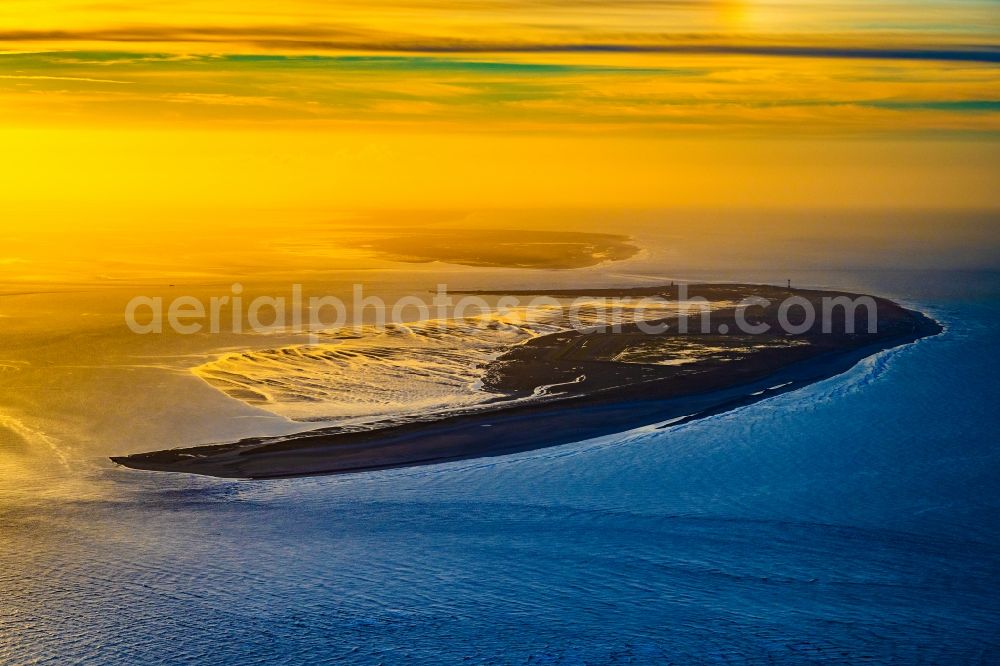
(368, 374)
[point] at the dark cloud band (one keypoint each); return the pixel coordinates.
(359, 40)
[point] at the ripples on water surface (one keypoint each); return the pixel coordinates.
(854, 519)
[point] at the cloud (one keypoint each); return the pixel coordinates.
(359, 40)
(59, 78)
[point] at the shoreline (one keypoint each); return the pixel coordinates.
(593, 412)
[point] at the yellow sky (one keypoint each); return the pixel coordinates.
(111, 110)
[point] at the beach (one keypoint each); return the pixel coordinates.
(849, 519)
(579, 393)
(520, 332)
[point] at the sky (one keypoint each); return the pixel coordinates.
(158, 114)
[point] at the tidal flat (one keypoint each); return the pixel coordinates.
(576, 384)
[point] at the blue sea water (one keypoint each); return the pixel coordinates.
(855, 520)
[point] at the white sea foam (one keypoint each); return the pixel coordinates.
(33, 435)
(771, 388)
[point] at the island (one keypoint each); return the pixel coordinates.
(579, 384)
(508, 248)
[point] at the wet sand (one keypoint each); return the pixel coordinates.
(504, 248)
(602, 383)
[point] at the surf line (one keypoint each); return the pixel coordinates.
(729, 405)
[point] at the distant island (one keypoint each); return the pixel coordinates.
(575, 385)
(504, 248)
